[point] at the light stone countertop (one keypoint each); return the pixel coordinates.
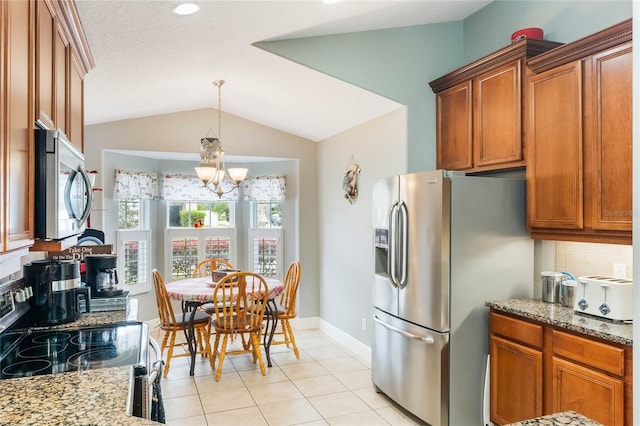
(92, 397)
(566, 418)
(560, 316)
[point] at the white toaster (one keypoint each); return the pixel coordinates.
(605, 297)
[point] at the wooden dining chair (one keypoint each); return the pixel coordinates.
(205, 267)
(287, 307)
(171, 324)
(239, 301)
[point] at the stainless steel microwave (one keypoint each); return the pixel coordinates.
(63, 191)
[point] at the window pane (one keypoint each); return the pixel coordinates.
(268, 215)
(265, 256)
(129, 214)
(135, 262)
(217, 215)
(184, 256)
(186, 214)
(174, 213)
(217, 248)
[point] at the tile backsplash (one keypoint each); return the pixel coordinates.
(593, 259)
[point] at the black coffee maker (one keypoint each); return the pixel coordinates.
(101, 275)
(56, 291)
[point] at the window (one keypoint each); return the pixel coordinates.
(266, 194)
(188, 246)
(267, 214)
(265, 255)
(129, 214)
(134, 260)
(198, 230)
(133, 245)
(187, 214)
(265, 238)
(134, 190)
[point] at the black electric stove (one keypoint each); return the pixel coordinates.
(34, 352)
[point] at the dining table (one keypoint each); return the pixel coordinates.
(194, 292)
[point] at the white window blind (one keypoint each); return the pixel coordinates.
(265, 252)
(134, 260)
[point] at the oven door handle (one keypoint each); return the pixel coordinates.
(154, 395)
(142, 386)
(156, 349)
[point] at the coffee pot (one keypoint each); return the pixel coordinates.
(56, 291)
(102, 276)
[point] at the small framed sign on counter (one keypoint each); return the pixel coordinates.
(79, 252)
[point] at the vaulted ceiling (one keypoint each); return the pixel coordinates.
(151, 61)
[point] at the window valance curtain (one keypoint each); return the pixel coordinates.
(181, 187)
(136, 185)
(264, 188)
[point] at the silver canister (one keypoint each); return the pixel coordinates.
(551, 282)
(568, 292)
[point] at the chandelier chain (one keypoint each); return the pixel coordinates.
(212, 169)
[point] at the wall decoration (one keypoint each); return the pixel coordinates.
(350, 181)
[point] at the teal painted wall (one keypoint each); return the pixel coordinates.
(491, 27)
(398, 63)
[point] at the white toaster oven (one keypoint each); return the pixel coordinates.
(605, 297)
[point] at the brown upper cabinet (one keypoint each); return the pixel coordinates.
(479, 110)
(16, 125)
(579, 139)
(62, 60)
(43, 60)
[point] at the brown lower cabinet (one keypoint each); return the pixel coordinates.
(539, 369)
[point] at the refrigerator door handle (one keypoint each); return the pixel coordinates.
(426, 339)
(404, 244)
(393, 249)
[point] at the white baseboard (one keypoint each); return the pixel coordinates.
(305, 323)
(362, 351)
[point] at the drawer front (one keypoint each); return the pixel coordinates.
(517, 330)
(589, 352)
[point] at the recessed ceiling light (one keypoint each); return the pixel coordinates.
(186, 9)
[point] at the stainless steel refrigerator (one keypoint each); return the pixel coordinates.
(445, 243)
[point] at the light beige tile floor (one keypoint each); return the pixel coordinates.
(327, 386)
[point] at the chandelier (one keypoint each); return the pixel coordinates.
(212, 171)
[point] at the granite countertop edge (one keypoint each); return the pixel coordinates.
(565, 418)
(564, 317)
(92, 397)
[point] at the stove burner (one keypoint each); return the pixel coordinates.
(35, 352)
(26, 368)
(40, 351)
(57, 337)
(94, 339)
(95, 358)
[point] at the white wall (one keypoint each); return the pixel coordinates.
(346, 233)
(181, 132)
